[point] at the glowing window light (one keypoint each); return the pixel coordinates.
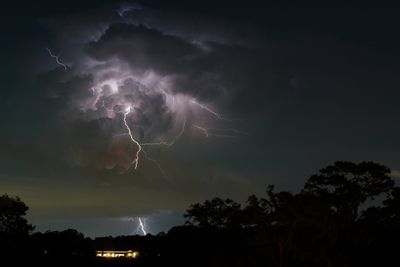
(117, 254)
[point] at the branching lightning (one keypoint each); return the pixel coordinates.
(57, 59)
(135, 161)
(117, 74)
(207, 132)
(175, 105)
(172, 142)
(167, 144)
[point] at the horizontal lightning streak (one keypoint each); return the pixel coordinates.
(217, 115)
(121, 134)
(207, 133)
(236, 131)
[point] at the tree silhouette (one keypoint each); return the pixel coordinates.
(331, 222)
(347, 185)
(217, 213)
(322, 225)
(256, 213)
(12, 216)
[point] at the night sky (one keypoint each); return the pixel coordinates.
(224, 98)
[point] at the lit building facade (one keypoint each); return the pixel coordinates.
(129, 254)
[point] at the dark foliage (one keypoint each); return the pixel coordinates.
(12, 216)
(346, 215)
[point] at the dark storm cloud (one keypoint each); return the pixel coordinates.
(143, 47)
(192, 68)
(310, 86)
(209, 71)
(65, 86)
(197, 27)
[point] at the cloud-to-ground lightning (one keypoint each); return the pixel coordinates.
(141, 226)
(135, 161)
(56, 58)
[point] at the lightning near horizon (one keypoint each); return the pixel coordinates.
(141, 226)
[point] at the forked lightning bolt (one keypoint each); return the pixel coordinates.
(135, 161)
(141, 226)
(57, 59)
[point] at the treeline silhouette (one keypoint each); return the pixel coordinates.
(347, 214)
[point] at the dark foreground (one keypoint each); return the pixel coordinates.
(192, 246)
(346, 215)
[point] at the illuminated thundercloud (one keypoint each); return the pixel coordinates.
(116, 88)
(223, 133)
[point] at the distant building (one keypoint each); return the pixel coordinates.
(130, 254)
